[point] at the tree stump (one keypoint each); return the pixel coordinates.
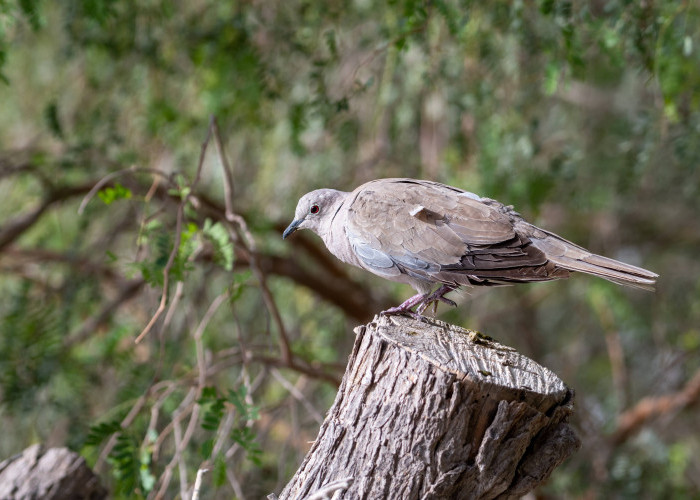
(430, 410)
(53, 474)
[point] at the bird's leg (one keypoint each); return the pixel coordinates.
(422, 301)
(406, 307)
(435, 297)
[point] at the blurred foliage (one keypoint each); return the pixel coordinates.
(584, 115)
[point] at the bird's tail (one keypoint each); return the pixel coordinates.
(567, 255)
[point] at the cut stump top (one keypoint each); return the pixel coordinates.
(476, 359)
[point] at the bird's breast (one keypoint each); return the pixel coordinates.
(338, 244)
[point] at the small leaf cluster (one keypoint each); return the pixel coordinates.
(214, 407)
(130, 461)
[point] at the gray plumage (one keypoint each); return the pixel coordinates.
(424, 233)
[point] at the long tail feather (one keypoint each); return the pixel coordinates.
(567, 255)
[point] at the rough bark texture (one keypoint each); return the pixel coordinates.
(430, 410)
(53, 474)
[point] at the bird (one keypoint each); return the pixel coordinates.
(438, 238)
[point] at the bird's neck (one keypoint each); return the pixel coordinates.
(332, 232)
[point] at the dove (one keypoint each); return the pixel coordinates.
(437, 238)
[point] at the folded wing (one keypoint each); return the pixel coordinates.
(441, 234)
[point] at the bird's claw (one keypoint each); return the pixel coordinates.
(422, 302)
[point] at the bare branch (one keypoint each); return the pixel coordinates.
(633, 419)
(228, 173)
(198, 483)
(186, 406)
(127, 293)
(285, 347)
(178, 238)
(235, 484)
(180, 459)
(180, 413)
(140, 402)
(298, 395)
(17, 226)
(356, 300)
(109, 177)
(317, 373)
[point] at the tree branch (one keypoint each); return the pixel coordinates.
(633, 419)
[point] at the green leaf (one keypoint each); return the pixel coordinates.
(551, 79)
(111, 194)
(206, 448)
(239, 284)
(99, 432)
(331, 43)
(148, 480)
(219, 237)
(219, 472)
(127, 467)
(30, 8)
(52, 119)
(245, 411)
(246, 438)
(212, 409)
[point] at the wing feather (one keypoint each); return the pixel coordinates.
(440, 233)
(431, 233)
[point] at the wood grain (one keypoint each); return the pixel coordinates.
(431, 410)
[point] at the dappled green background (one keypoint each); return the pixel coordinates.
(585, 116)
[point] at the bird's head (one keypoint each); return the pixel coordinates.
(315, 211)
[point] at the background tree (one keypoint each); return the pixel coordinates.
(584, 115)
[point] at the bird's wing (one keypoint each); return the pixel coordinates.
(438, 232)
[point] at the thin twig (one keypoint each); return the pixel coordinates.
(182, 440)
(178, 237)
(186, 406)
(242, 226)
(184, 409)
(223, 432)
(235, 484)
(166, 275)
(128, 421)
(208, 315)
(616, 352)
(180, 459)
(198, 483)
(107, 178)
(88, 327)
(228, 172)
(306, 370)
(155, 412)
(298, 395)
(15, 227)
(140, 402)
(285, 347)
(177, 296)
(232, 217)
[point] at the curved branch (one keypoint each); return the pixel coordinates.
(633, 419)
(128, 292)
(21, 223)
(353, 298)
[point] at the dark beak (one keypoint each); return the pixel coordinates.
(292, 227)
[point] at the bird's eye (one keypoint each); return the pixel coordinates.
(314, 209)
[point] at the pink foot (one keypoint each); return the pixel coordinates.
(435, 297)
(422, 301)
(405, 307)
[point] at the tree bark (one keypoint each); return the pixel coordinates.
(431, 410)
(53, 474)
